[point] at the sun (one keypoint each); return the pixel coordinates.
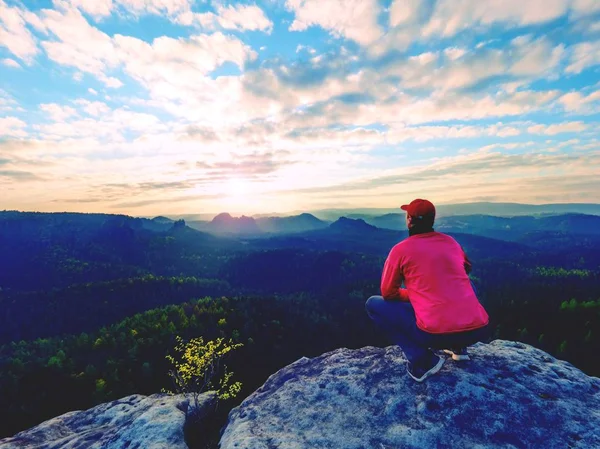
(242, 195)
(236, 188)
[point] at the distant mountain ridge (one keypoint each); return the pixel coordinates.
(476, 208)
(505, 228)
(297, 223)
(344, 224)
(237, 225)
(225, 223)
(483, 208)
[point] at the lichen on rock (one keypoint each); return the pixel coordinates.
(510, 395)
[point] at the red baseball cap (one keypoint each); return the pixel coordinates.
(419, 208)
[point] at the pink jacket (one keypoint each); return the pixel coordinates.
(434, 269)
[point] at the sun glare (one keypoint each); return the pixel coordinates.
(237, 188)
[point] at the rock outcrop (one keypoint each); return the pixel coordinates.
(510, 395)
(134, 422)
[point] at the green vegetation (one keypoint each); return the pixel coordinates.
(559, 272)
(49, 376)
(81, 307)
(574, 305)
(197, 368)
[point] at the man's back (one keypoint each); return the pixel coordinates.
(433, 268)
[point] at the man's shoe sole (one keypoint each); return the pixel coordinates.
(431, 372)
(458, 357)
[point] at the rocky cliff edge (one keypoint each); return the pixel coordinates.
(510, 395)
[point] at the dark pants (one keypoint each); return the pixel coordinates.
(397, 319)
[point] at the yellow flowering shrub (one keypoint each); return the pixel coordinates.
(197, 367)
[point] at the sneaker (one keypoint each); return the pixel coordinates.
(420, 372)
(460, 354)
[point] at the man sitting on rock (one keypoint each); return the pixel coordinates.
(438, 307)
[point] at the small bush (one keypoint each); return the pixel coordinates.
(197, 367)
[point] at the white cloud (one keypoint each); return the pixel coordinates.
(497, 146)
(7, 102)
(86, 48)
(571, 101)
(466, 72)
(385, 95)
(78, 44)
(11, 63)
(525, 60)
(176, 10)
(507, 131)
(34, 20)
(12, 127)
(457, 107)
(424, 59)
(323, 138)
(95, 8)
(584, 55)
(14, 34)
(169, 7)
(409, 109)
(575, 101)
(57, 112)
(176, 74)
(534, 58)
(551, 130)
(110, 124)
(352, 19)
(110, 81)
(202, 54)
(405, 12)
(307, 48)
(359, 138)
(425, 133)
(36, 148)
(207, 20)
(482, 176)
(318, 110)
(451, 16)
(454, 52)
(94, 108)
(243, 17)
(137, 121)
(233, 17)
(594, 27)
(585, 7)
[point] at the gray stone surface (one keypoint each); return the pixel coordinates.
(510, 395)
(134, 422)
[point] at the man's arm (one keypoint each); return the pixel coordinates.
(391, 279)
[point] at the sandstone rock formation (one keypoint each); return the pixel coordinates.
(134, 422)
(510, 395)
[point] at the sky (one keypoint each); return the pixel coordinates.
(158, 107)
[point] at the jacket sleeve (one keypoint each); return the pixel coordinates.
(391, 279)
(467, 262)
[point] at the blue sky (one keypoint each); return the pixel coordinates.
(150, 107)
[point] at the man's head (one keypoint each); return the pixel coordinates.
(420, 215)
